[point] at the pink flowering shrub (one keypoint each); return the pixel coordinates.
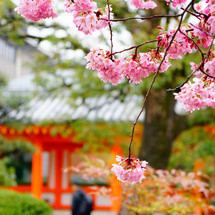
(35, 10)
(91, 168)
(129, 170)
(175, 192)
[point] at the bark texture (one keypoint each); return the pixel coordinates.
(161, 126)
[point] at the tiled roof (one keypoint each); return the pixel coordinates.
(94, 109)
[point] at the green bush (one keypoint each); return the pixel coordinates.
(191, 145)
(12, 203)
(7, 175)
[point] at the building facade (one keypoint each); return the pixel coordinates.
(15, 60)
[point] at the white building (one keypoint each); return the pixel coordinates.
(14, 59)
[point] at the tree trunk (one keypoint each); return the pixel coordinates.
(161, 126)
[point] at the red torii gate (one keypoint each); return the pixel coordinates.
(59, 146)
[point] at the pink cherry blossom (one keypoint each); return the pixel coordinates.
(141, 66)
(202, 37)
(143, 4)
(151, 61)
(209, 67)
(106, 66)
(177, 3)
(36, 10)
(129, 170)
(133, 67)
(80, 5)
(133, 70)
(206, 24)
(199, 94)
(86, 16)
(181, 45)
(211, 23)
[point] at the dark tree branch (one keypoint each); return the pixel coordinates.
(143, 18)
(199, 68)
(154, 78)
(135, 47)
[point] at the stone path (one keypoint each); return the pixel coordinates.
(64, 212)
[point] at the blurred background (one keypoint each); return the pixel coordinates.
(54, 113)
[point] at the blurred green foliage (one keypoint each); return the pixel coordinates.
(12, 203)
(12, 146)
(9, 149)
(192, 145)
(7, 175)
(202, 117)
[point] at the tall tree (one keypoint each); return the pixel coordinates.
(160, 121)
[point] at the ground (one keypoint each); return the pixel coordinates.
(63, 212)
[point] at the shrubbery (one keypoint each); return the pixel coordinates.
(7, 175)
(12, 203)
(194, 149)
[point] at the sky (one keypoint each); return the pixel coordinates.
(90, 41)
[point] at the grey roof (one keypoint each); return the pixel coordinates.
(93, 109)
(58, 108)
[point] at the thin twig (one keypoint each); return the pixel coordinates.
(181, 85)
(143, 18)
(197, 11)
(134, 47)
(109, 24)
(153, 80)
(199, 68)
(191, 13)
(189, 38)
(203, 30)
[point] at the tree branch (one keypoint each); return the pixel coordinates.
(153, 80)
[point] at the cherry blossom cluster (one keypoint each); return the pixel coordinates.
(206, 25)
(199, 94)
(90, 168)
(36, 10)
(86, 17)
(130, 170)
(143, 4)
(107, 67)
(209, 67)
(132, 67)
(176, 3)
(180, 45)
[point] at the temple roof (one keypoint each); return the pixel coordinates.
(59, 109)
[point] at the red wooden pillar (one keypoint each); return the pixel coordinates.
(37, 178)
(116, 185)
(58, 177)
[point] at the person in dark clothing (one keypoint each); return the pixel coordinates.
(81, 202)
